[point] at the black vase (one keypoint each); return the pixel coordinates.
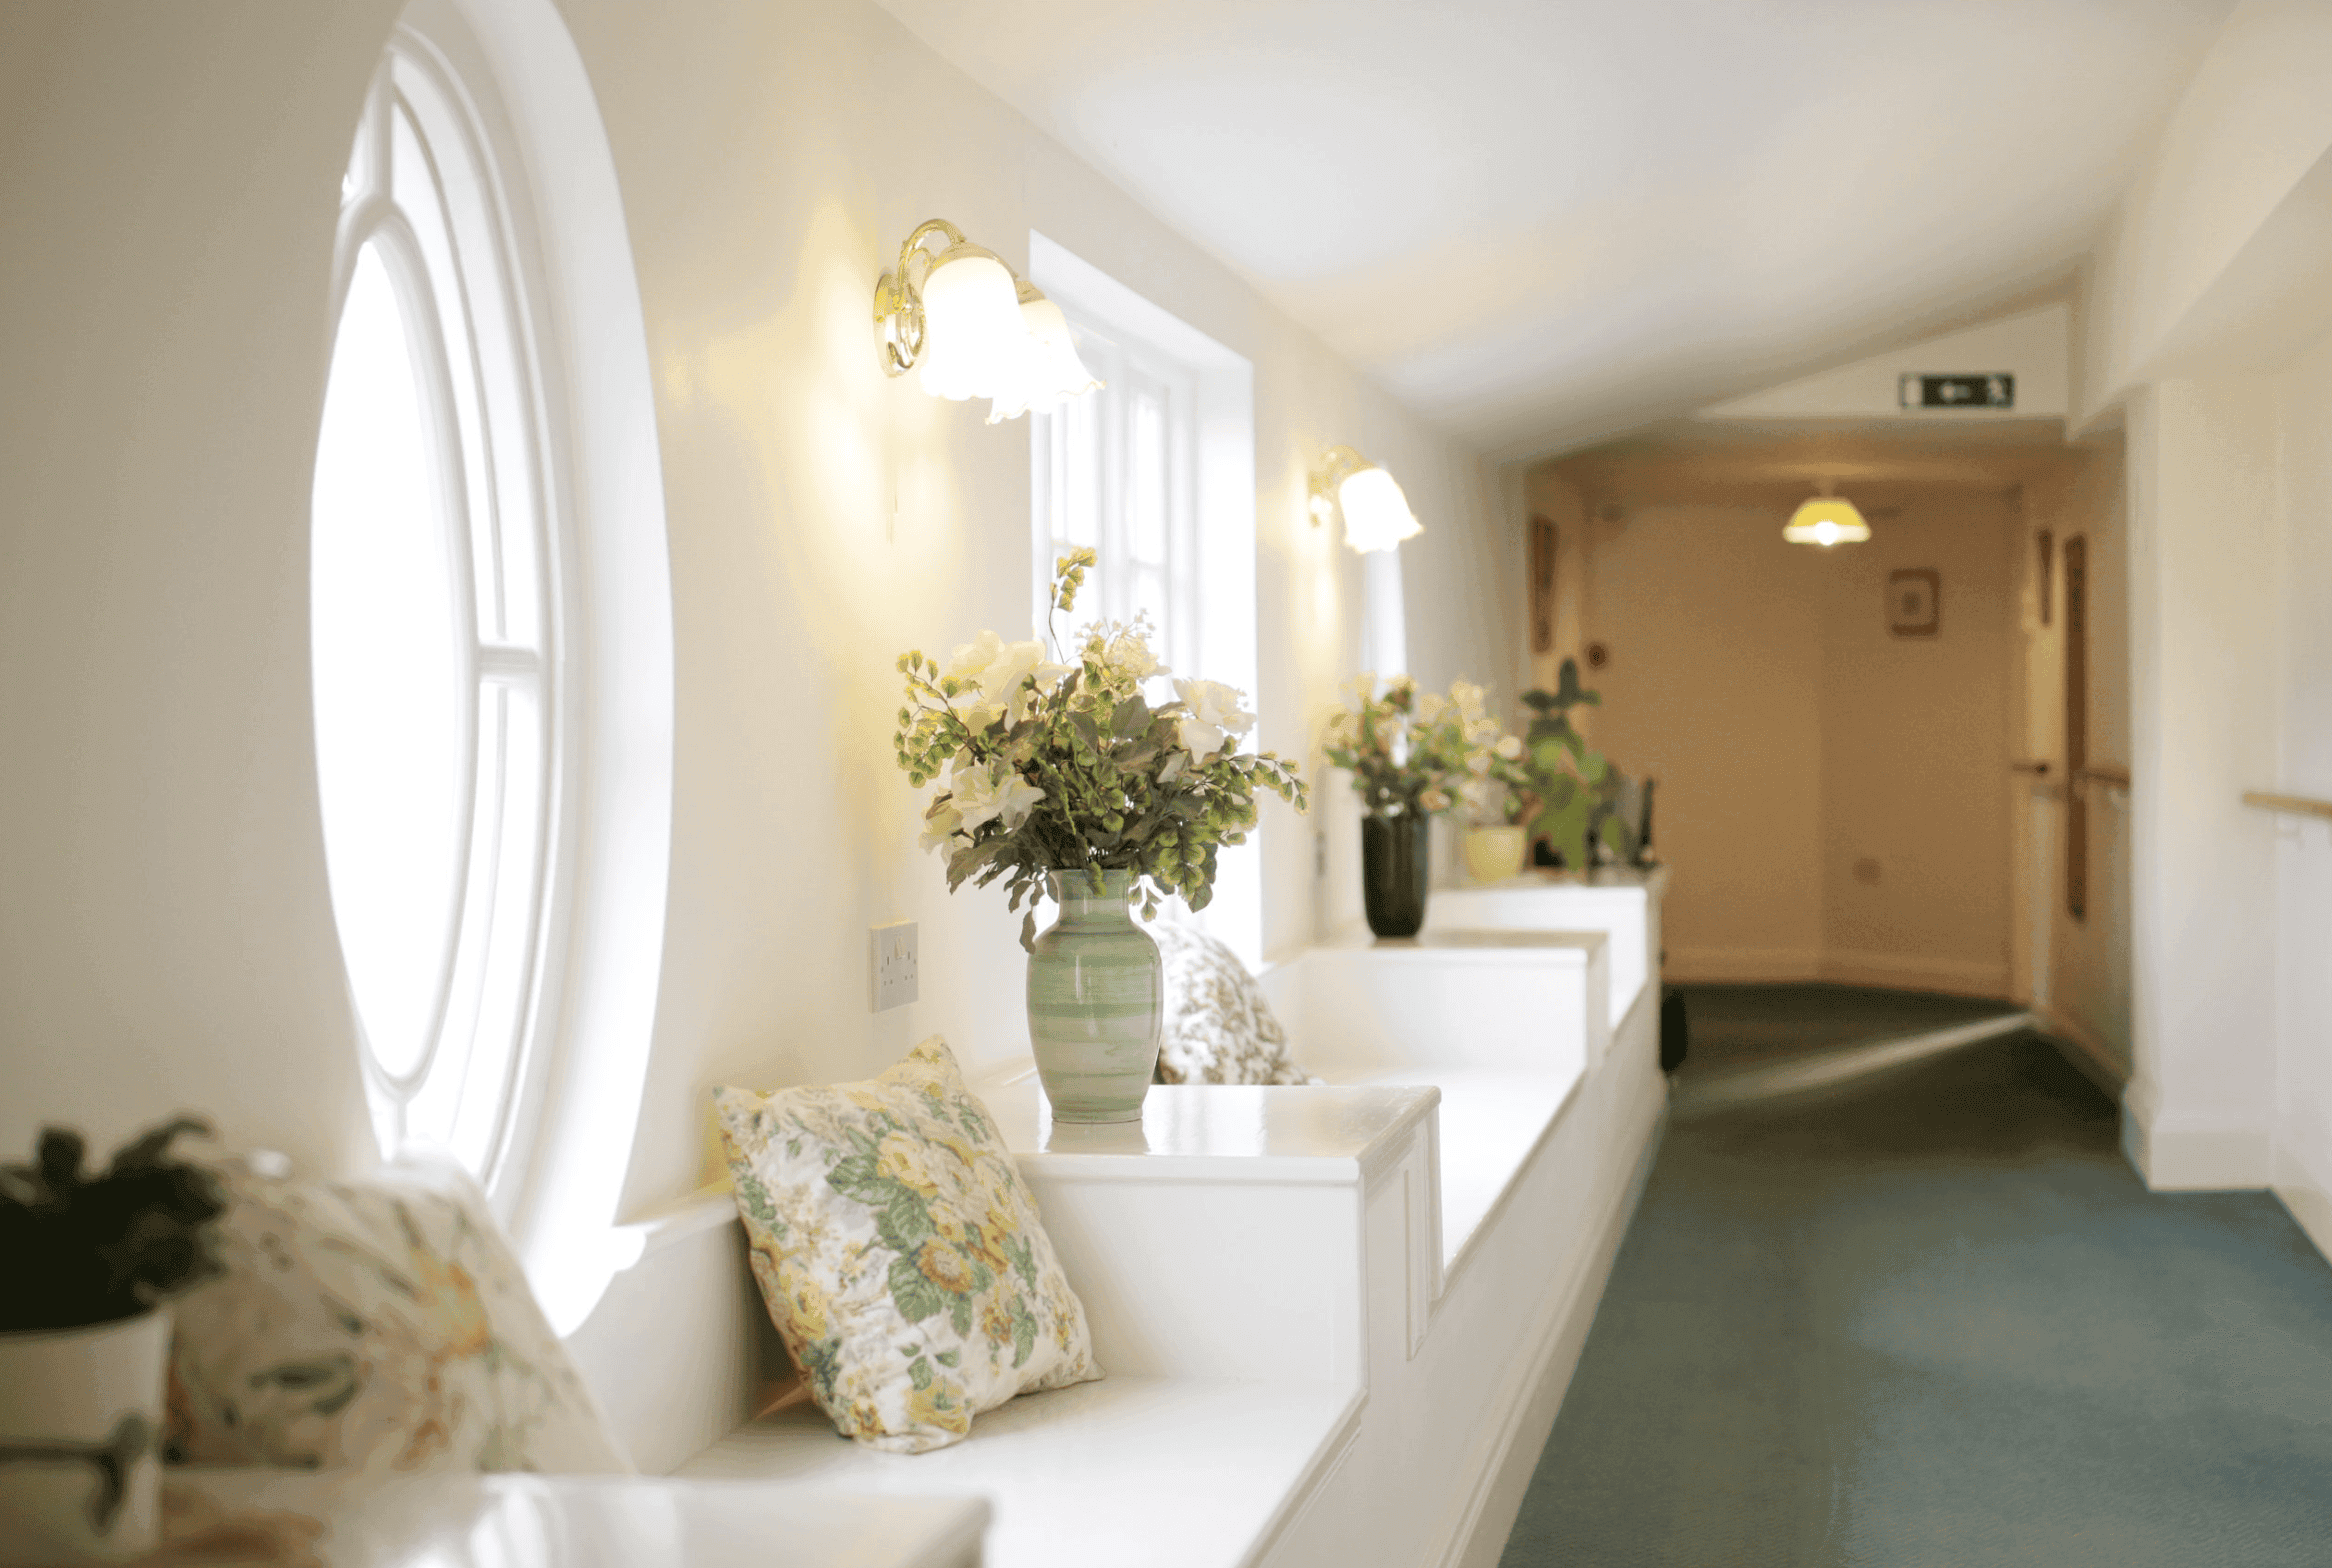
(1395, 859)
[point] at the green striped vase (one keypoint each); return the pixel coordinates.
(1095, 998)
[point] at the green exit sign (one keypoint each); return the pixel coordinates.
(1996, 390)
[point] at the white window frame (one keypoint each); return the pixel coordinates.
(1211, 630)
(424, 194)
(561, 1182)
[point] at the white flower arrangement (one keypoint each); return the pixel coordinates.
(1418, 753)
(1053, 767)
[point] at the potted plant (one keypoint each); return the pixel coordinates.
(91, 1259)
(1066, 778)
(1575, 792)
(1407, 752)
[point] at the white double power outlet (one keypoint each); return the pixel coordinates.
(891, 964)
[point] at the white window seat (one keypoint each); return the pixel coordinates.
(1337, 1320)
(1131, 1471)
(1623, 902)
(1492, 1121)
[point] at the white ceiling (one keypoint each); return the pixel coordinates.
(1539, 222)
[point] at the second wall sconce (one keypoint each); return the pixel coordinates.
(960, 318)
(1376, 513)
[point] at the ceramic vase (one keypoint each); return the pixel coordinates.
(1095, 1001)
(1396, 858)
(80, 1429)
(1495, 854)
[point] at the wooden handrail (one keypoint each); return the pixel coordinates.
(2296, 805)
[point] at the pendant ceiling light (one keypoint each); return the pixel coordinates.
(1826, 520)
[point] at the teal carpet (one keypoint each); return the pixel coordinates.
(1932, 1317)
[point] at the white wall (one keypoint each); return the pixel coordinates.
(2202, 730)
(170, 176)
(2253, 122)
(2203, 323)
(2031, 346)
(2303, 848)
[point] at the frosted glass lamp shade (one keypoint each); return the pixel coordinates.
(1376, 513)
(1826, 520)
(974, 338)
(1050, 372)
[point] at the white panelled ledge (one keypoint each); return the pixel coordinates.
(1336, 1319)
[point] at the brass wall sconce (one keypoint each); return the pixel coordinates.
(1376, 513)
(970, 327)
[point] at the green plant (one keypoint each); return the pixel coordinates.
(1064, 767)
(78, 1249)
(1576, 792)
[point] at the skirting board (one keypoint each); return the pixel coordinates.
(1524, 1426)
(2307, 1194)
(2188, 1156)
(1838, 966)
(2088, 1054)
(2312, 1208)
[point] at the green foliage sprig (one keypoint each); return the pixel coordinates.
(78, 1249)
(1061, 767)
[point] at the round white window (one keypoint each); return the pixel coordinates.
(435, 625)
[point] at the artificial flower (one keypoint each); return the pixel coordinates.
(990, 792)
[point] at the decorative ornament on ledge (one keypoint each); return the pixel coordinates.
(1376, 513)
(970, 328)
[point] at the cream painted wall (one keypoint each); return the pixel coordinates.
(1714, 689)
(171, 179)
(1794, 737)
(170, 176)
(1915, 737)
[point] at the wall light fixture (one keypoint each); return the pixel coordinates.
(1826, 520)
(1376, 513)
(970, 328)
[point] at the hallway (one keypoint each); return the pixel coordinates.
(1934, 1317)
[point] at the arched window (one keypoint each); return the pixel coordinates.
(438, 625)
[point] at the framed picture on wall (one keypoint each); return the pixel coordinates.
(1915, 602)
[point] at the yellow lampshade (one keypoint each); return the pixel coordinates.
(1826, 520)
(1376, 513)
(975, 340)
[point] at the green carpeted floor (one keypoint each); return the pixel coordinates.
(1933, 1317)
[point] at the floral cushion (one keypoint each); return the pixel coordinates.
(900, 1253)
(1218, 1027)
(380, 1324)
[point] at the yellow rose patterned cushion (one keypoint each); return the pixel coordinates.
(381, 1325)
(900, 1252)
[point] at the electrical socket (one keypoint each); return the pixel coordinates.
(891, 964)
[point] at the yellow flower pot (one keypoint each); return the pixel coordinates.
(1494, 854)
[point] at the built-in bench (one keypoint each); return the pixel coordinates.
(1336, 1319)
